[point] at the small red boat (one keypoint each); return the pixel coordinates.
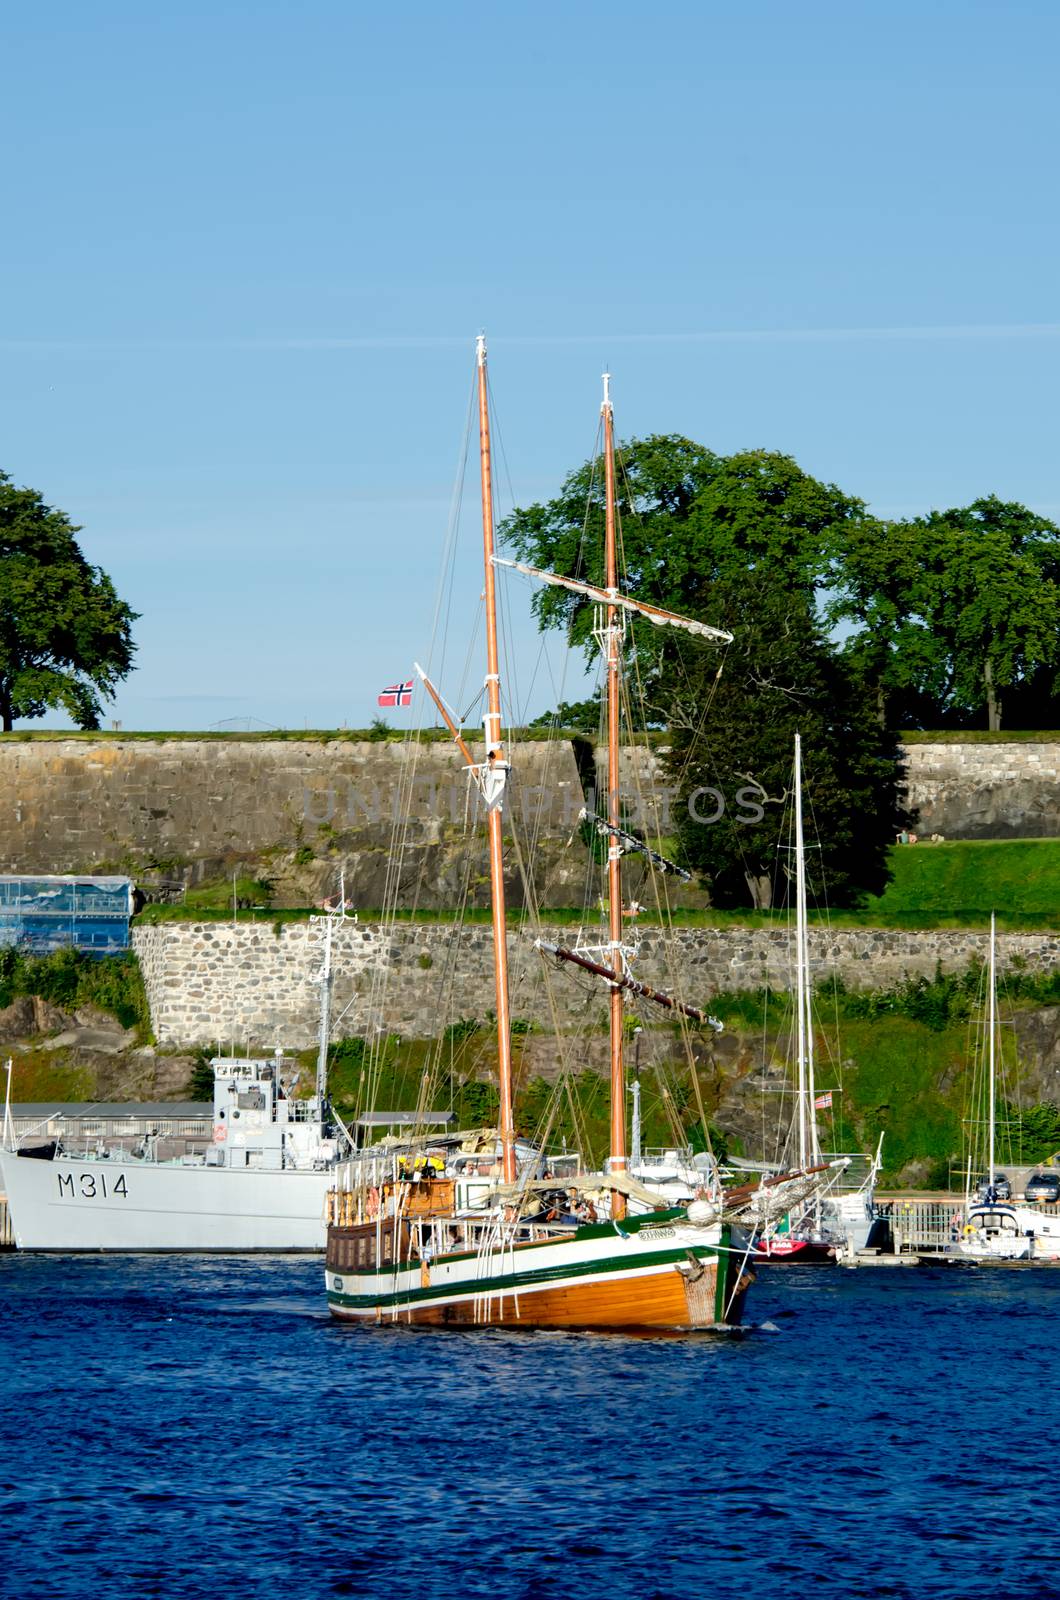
(786, 1247)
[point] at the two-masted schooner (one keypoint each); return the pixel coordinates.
(436, 1236)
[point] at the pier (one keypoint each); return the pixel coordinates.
(921, 1226)
(926, 1226)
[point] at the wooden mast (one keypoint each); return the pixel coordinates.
(494, 779)
(614, 816)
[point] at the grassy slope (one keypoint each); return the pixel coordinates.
(907, 1081)
(957, 883)
(973, 877)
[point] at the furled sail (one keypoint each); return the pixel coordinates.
(604, 597)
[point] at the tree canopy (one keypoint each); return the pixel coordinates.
(954, 610)
(65, 636)
(688, 519)
(950, 618)
(731, 753)
(845, 625)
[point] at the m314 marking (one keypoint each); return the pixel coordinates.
(90, 1186)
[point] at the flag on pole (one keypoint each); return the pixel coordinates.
(397, 694)
(823, 1102)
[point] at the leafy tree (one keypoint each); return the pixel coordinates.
(745, 542)
(958, 607)
(878, 585)
(581, 715)
(732, 751)
(65, 637)
(689, 518)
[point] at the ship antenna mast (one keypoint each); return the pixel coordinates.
(325, 1022)
(494, 781)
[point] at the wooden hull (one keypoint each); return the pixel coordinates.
(669, 1279)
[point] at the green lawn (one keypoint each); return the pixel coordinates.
(970, 878)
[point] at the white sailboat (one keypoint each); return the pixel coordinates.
(841, 1218)
(992, 1229)
(420, 1242)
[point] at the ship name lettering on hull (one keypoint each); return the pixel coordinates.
(91, 1186)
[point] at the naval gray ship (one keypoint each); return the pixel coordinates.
(262, 1184)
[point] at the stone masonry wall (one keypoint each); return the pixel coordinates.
(70, 805)
(247, 985)
(986, 791)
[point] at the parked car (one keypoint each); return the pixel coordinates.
(1043, 1186)
(1002, 1189)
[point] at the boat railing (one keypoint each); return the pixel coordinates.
(346, 1208)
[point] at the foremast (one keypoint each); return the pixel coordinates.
(494, 781)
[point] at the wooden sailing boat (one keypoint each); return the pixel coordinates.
(414, 1242)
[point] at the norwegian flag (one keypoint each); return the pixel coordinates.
(397, 694)
(823, 1102)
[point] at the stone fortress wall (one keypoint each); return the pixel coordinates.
(252, 985)
(68, 805)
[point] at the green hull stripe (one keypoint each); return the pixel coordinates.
(515, 1281)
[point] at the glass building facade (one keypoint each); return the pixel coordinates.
(44, 914)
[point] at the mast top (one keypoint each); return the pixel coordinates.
(607, 393)
(480, 349)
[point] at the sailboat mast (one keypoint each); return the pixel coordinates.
(614, 812)
(494, 776)
(801, 975)
(992, 1028)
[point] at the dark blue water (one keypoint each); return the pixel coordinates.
(191, 1427)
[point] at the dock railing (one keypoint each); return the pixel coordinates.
(921, 1226)
(924, 1227)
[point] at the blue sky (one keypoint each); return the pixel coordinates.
(247, 249)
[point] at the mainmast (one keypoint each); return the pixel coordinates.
(612, 642)
(494, 779)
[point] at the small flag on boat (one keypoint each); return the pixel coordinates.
(397, 694)
(823, 1102)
